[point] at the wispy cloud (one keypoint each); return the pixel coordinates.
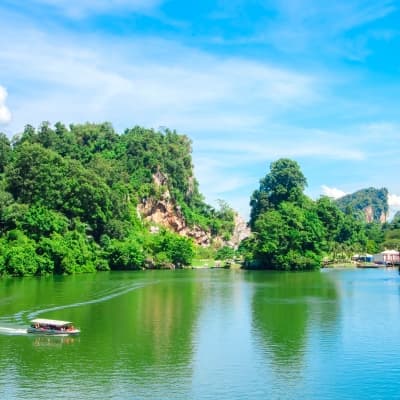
(5, 114)
(241, 111)
(147, 81)
(83, 8)
(332, 192)
(302, 26)
(272, 141)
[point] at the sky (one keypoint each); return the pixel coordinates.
(249, 81)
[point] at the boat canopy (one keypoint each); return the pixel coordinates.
(53, 322)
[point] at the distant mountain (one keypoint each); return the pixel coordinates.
(369, 204)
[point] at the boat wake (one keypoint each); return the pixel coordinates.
(11, 331)
(119, 292)
(10, 323)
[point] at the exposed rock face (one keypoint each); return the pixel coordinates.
(370, 204)
(164, 212)
(242, 231)
(369, 215)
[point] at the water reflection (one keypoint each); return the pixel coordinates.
(144, 325)
(205, 334)
(285, 307)
(53, 341)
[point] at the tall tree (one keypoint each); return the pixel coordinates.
(5, 151)
(284, 182)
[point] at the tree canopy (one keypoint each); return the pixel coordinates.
(285, 182)
(293, 232)
(69, 197)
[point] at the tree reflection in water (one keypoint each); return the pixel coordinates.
(285, 308)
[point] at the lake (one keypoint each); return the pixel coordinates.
(204, 334)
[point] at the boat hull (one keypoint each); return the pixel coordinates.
(43, 331)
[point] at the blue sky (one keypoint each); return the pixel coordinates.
(248, 81)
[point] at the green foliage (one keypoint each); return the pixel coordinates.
(395, 224)
(225, 253)
(356, 203)
(18, 254)
(70, 253)
(285, 182)
(204, 252)
(5, 151)
(287, 231)
(289, 238)
(172, 249)
(125, 255)
(40, 221)
(391, 235)
(292, 232)
(72, 194)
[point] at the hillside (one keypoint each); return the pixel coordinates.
(369, 204)
(84, 197)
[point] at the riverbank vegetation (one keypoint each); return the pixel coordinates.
(70, 200)
(293, 232)
(69, 197)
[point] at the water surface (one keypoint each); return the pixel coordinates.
(204, 334)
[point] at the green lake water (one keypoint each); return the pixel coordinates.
(204, 334)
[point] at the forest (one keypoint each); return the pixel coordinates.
(69, 196)
(69, 201)
(293, 232)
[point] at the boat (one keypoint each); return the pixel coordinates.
(44, 326)
(367, 265)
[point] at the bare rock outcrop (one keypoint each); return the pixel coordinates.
(369, 215)
(241, 231)
(163, 212)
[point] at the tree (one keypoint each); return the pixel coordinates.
(125, 255)
(285, 182)
(5, 151)
(288, 233)
(225, 253)
(289, 238)
(175, 249)
(18, 253)
(39, 221)
(73, 194)
(71, 253)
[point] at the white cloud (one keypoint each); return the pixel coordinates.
(257, 145)
(150, 82)
(394, 204)
(154, 82)
(394, 201)
(332, 192)
(5, 114)
(380, 129)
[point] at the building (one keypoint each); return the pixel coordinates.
(387, 257)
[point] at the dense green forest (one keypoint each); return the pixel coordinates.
(360, 201)
(69, 201)
(293, 232)
(69, 196)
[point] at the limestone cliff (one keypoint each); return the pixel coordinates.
(241, 231)
(369, 204)
(162, 211)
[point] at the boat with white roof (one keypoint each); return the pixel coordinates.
(52, 327)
